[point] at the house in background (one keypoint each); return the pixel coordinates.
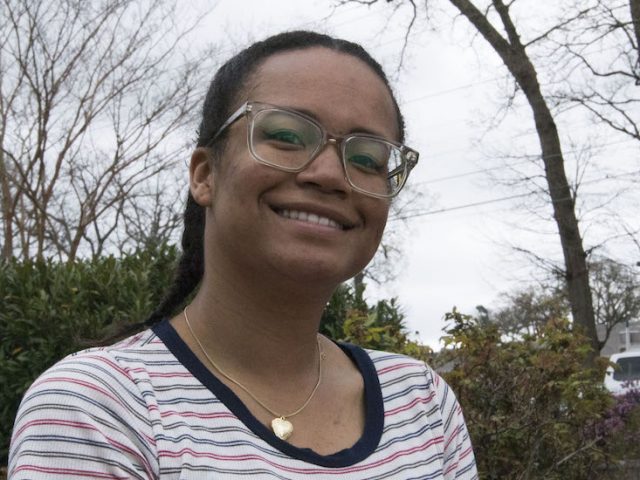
(621, 338)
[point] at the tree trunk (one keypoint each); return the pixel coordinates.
(634, 5)
(5, 199)
(513, 54)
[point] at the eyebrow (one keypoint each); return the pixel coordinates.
(363, 130)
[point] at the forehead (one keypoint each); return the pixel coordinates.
(342, 91)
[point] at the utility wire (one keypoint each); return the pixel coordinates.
(510, 197)
(440, 93)
(528, 159)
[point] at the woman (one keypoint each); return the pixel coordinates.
(299, 153)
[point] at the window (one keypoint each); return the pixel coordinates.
(627, 369)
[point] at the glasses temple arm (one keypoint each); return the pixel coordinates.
(412, 160)
(245, 107)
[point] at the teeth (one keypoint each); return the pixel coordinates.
(309, 217)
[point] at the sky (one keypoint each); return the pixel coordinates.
(450, 88)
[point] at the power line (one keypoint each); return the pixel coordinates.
(528, 159)
(509, 197)
(451, 90)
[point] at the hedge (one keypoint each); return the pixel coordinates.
(50, 309)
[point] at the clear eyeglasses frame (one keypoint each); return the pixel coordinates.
(372, 165)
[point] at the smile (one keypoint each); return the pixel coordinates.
(310, 218)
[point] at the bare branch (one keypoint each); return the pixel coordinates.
(92, 97)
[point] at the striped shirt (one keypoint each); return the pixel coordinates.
(147, 408)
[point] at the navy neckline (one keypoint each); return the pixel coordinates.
(374, 419)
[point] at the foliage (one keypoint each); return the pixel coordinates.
(527, 311)
(533, 410)
(50, 309)
(380, 327)
(619, 430)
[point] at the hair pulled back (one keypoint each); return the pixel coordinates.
(224, 93)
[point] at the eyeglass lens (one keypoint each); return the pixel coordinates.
(284, 139)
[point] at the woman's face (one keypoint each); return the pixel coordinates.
(263, 220)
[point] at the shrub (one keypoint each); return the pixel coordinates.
(533, 409)
(380, 327)
(49, 309)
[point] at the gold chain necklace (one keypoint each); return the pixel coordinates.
(280, 425)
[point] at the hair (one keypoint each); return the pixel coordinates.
(224, 92)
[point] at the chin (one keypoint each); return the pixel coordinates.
(308, 271)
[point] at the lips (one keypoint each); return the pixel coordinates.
(311, 217)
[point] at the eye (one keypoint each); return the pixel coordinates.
(367, 155)
(365, 163)
(285, 136)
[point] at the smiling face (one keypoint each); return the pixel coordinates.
(308, 226)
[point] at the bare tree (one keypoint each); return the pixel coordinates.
(616, 294)
(615, 290)
(587, 22)
(528, 311)
(94, 99)
(600, 48)
(513, 53)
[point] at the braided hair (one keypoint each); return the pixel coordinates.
(224, 93)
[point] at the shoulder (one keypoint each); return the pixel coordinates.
(410, 388)
(83, 407)
(397, 368)
(95, 370)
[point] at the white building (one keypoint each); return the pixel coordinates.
(621, 338)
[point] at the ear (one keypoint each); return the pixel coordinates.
(201, 177)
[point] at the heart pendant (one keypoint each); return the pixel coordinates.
(282, 428)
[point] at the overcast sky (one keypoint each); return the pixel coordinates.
(450, 88)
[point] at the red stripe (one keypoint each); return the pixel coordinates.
(409, 405)
(88, 385)
(395, 367)
(169, 413)
(453, 436)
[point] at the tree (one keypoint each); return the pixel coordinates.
(94, 97)
(494, 21)
(616, 294)
(602, 42)
(526, 312)
(513, 53)
(615, 289)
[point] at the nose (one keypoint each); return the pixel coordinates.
(326, 172)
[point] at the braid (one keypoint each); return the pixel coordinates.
(191, 265)
(187, 277)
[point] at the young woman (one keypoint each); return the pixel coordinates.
(299, 154)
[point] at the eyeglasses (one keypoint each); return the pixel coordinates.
(288, 140)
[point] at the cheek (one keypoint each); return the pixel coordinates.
(378, 222)
(382, 216)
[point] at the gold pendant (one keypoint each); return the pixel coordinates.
(282, 427)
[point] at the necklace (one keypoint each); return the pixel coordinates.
(280, 425)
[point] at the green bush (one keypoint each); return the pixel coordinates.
(347, 317)
(533, 409)
(49, 309)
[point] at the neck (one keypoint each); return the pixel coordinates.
(276, 322)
